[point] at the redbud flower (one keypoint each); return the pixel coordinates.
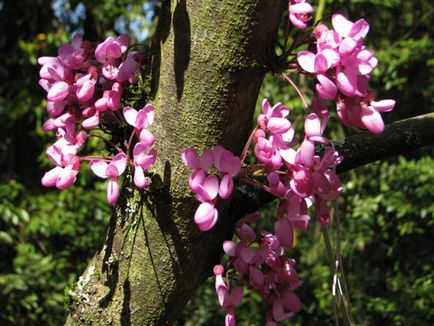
(299, 13)
(112, 171)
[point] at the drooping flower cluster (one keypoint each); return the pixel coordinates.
(294, 173)
(303, 179)
(228, 299)
(264, 265)
(342, 65)
(84, 87)
(144, 157)
(208, 187)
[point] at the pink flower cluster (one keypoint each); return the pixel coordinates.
(208, 187)
(300, 176)
(265, 266)
(84, 88)
(342, 67)
(228, 299)
(143, 156)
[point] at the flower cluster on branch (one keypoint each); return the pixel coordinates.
(84, 85)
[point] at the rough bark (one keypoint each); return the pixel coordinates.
(209, 63)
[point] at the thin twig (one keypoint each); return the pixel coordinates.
(300, 94)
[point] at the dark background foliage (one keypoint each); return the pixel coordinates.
(387, 211)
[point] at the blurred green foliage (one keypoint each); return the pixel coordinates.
(47, 236)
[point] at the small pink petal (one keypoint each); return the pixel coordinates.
(114, 101)
(237, 295)
(230, 247)
(85, 92)
(341, 25)
(190, 158)
(206, 216)
(347, 46)
(246, 253)
(278, 125)
(320, 64)
(284, 232)
(50, 178)
(256, 277)
(147, 138)
(312, 125)
(306, 60)
(372, 120)
(91, 122)
(140, 180)
(99, 167)
(360, 29)
(278, 311)
(383, 105)
(245, 233)
(320, 183)
(290, 301)
(307, 152)
(120, 161)
(211, 186)
(101, 104)
(227, 162)
(196, 179)
(130, 115)
(112, 191)
(206, 160)
(226, 186)
(58, 92)
(67, 177)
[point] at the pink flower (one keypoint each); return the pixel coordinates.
(206, 216)
(73, 55)
(143, 160)
(112, 171)
(208, 187)
(141, 119)
(111, 48)
(299, 13)
(346, 28)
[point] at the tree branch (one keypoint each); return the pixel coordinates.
(398, 138)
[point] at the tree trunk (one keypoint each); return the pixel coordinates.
(209, 61)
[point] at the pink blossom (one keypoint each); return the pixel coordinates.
(299, 13)
(206, 216)
(73, 55)
(112, 171)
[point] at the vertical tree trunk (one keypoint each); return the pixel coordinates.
(210, 60)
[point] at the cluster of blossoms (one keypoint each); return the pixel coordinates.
(303, 180)
(341, 65)
(207, 187)
(293, 173)
(84, 90)
(264, 265)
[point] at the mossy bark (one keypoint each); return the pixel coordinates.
(209, 61)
